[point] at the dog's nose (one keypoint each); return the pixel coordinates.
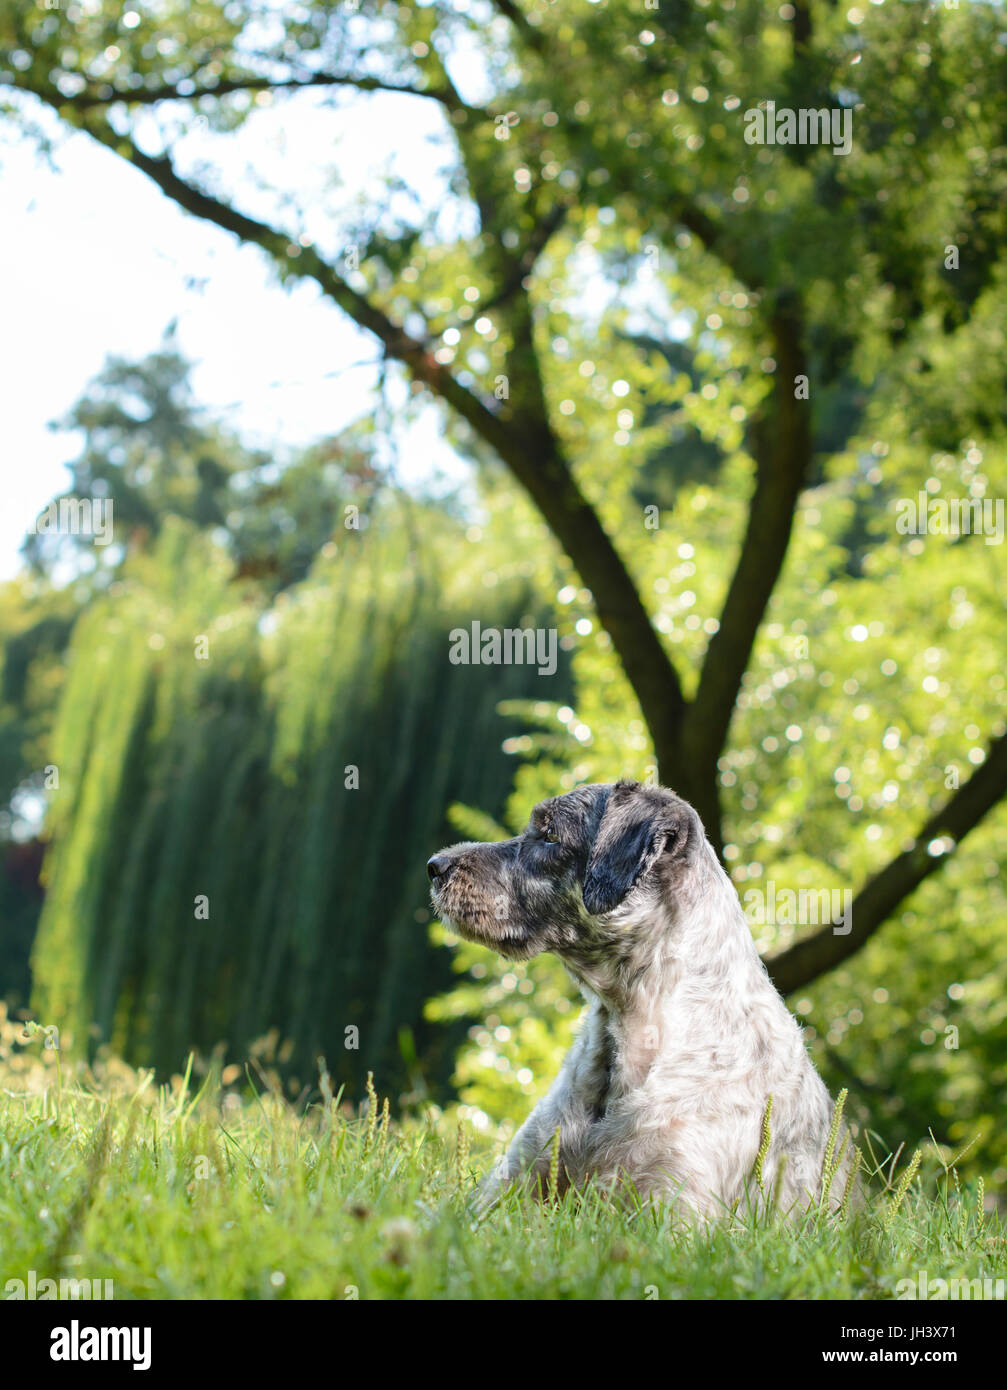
(438, 867)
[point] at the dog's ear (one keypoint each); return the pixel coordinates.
(629, 839)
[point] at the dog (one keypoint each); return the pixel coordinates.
(667, 1086)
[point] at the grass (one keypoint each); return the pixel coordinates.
(184, 1192)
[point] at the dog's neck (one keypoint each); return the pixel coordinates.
(683, 950)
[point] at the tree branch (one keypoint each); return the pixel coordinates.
(510, 10)
(91, 99)
(805, 960)
(783, 454)
(528, 256)
(802, 28)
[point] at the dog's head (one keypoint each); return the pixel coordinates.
(589, 865)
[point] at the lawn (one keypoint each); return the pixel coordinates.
(187, 1191)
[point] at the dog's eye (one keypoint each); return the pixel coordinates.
(548, 836)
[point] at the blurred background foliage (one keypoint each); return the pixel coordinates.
(637, 337)
(291, 779)
(280, 747)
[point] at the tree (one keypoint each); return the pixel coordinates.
(249, 786)
(618, 136)
(151, 453)
(154, 457)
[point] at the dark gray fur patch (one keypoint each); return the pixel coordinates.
(533, 893)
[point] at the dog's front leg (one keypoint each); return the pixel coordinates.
(570, 1106)
(530, 1152)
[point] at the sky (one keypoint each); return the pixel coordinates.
(105, 263)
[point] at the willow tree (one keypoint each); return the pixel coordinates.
(829, 295)
(245, 795)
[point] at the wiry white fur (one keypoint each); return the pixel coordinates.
(667, 1083)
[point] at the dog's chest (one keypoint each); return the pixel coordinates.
(648, 1100)
(612, 1097)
